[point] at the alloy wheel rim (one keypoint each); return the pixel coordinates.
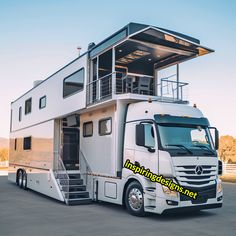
(135, 199)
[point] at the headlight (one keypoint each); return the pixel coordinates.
(168, 192)
(219, 187)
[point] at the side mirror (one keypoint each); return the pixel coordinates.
(216, 141)
(140, 135)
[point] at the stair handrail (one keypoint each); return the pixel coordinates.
(61, 175)
(88, 174)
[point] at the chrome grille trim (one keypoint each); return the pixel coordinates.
(186, 175)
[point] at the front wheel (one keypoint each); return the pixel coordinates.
(134, 199)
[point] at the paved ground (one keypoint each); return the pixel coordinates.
(26, 213)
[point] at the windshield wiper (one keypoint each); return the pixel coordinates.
(205, 147)
(180, 146)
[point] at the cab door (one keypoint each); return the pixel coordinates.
(146, 148)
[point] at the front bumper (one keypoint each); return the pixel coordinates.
(192, 208)
(165, 203)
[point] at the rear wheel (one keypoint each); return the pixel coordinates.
(20, 178)
(134, 199)
(24, 181)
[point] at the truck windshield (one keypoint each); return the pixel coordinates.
(191, 140)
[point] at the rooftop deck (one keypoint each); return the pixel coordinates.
(129, 61)
(113, 85)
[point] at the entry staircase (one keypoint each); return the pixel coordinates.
(72, 185)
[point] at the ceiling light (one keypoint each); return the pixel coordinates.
(133, 56)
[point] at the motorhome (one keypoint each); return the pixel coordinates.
(122, 99)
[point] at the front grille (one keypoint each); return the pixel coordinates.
(204, 193)
(186, 175)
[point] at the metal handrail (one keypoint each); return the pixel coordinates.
(180, 86)
(109, 85)
(62, 175)
(101, 78)
(97, 90)
(86, 173)
(173, 81)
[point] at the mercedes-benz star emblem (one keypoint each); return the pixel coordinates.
(198, 170)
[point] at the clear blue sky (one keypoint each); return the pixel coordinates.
(39, 37)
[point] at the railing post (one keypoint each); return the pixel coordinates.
(113, 76)
(161, 88)
(99, 89)
(177, 71)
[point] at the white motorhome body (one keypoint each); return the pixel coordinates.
(72, 133)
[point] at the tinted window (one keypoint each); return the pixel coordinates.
(28, 106)
(15, 144)
(105, 126)
(149, 135)
(42, 102)
(88, 129)
(73, 83)
(27, 143)
(20, 113)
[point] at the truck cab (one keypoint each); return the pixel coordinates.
(175, 141)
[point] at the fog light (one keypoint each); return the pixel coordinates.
(219, 198)
(172, 203)
(168, 192)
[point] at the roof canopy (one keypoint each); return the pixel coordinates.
(162, 47)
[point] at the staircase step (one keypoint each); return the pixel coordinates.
(74, 188)
(74, 176)
(79, 201)
(77, 195)
(71, 181)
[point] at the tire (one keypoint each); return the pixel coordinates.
(134, 200)
(19, 178)
(24, 180)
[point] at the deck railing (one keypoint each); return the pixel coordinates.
(99, 89)
(171, 89)
(112, 84)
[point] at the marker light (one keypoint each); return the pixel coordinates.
(219, 187)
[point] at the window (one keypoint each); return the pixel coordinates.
(145, 136)
(73, 83)
(15, 144)
(88, 129)
(198, 136)
(149, 135)
(42, 102)
(189, 136)
(27, 143)
(105, 126)
(20, 113)
(28, 106)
